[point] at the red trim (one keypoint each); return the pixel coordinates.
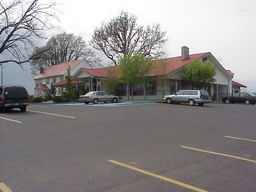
(236, 84)
(42, 86)
(64, 82)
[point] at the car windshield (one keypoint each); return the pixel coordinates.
(90, 93)
(1, 90)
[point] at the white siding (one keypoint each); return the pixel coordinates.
(82, 74)
(220, 78)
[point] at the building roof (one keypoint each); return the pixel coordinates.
(169, 65)
(58, 69)
(98, 72)
(236, 84)
(161, 67)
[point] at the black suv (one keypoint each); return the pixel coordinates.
(13, 97)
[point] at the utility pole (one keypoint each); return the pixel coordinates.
(2, 74)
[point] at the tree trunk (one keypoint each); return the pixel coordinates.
(132, 91)
(145, 91)
(128, 91)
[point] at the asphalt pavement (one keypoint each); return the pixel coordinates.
(142, 147)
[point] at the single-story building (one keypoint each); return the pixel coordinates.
(165, 78)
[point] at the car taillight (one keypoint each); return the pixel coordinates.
(204, 97)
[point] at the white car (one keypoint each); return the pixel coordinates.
(98, 96)
(188, 96)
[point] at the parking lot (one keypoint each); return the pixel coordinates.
(128, 147)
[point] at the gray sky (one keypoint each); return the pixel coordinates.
(226, 28)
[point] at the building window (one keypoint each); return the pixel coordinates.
(121, 90)
(138, 89)
(151, 87)
(204, 59)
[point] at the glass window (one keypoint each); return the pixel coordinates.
(179, 93)
(138, 89)
(204, 93)
(99, 93)
(186, 92)
(90, 93)
(193, 92)
(151, 87)
(121, 90)
(15, 92)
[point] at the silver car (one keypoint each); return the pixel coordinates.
(188, 96)
(98, 96)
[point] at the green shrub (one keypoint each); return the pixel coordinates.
(37, 99)
(57, 99)
(48, 98)
(68, 95)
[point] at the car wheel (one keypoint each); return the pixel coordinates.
(95, 101)
(247, 102)
(191, 102)
(1, 109)
(227, 101)
(201, 104)
(23, 108)
(168, 100)
(86, 102)
(114, 100)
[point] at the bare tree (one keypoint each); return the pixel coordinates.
(21, 23)
(62, 48)
(123, 36)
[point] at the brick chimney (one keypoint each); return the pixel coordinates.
(184, 53)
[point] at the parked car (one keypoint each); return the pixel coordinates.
(98, 96)
(13, 97)
(188, 96)
(247, 98)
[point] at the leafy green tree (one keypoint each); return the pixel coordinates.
(113, 80)
(52, 91)
(69, 93)
(134, 70)
(199, 73)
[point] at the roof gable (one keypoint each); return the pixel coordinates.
(58, 69)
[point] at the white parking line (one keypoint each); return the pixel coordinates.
(52, 114)
(12, 120)
(96, 105)
(4, 188)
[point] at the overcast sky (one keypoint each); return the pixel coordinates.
(226, 28)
